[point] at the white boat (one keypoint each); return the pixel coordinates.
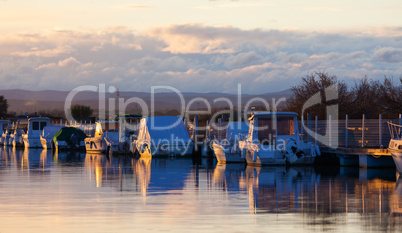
(162, 136)
(273, 139)
(46, 138)
(395, 144)
(227, 150)
(4, 124)
(20, 128)
(106, 138)
(35, 128)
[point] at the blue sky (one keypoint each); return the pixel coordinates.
(196, 45)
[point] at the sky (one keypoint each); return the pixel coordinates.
(196, 45)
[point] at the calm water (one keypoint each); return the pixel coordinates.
(73, 192)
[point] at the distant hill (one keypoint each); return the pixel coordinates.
(33, 101)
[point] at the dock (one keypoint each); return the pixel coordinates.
(361, 157)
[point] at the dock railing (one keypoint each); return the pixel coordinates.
(363, 133)
(395, 130)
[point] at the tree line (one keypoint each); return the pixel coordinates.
(366, 96)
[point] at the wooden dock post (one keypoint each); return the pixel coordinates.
(195, 133)
(363, 124)
(400, 119)
(330, 131)
(315, 130)
(301, 127)
(219, 128)
(380, 129)
(346, 130)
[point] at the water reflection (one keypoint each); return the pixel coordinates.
(305, 198)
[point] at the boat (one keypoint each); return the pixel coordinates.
(46, 138)
(20, 128)
(163, 136)
(68, 138)
(128, 130)
(31, 137)
(273, 139)
(227, 150)
(6, 136)
(106, 138)
(395, 144)
(4, 124)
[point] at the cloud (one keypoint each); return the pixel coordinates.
(133, 6)
(194, 57)
(388, 54)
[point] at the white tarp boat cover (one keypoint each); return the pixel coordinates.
(163, 130)
(50, 130)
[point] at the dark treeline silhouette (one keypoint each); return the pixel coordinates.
(3, 106)
(367, 97)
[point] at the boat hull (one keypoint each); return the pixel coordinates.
(395, 148)
(95, 145)
(32, 143)
(397, 156)
(225, 156)
(7, 140)
(144, 149)
(17, 141)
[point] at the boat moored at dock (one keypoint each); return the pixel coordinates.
(273, 139)
(106, 138)
(32, 137)
(4, 125)
(227, 150)
(68, 138)
(20, 128)
(163, 136)
(46, 138)
(395, 144)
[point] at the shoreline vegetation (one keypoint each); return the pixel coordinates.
(366, 96)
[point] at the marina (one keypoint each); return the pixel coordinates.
(200, 116)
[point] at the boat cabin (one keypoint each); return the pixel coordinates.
(272, 128)
(36, 125)
(4, 124)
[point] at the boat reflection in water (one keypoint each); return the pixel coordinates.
(327, 200)
(97, 192)
(33, 163)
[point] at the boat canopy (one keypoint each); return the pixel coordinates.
(65, 133)
(50, 130)
(163, 129)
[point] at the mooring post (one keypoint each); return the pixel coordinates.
(195, 133)
(219, 129)
(309, 116)
(315, 129)
(330, 131)
(363, 124)
(380, 129)
(301, 127)
(400, 119)
(346, 130)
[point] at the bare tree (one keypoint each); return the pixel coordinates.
(390, 102)
(312, 84)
